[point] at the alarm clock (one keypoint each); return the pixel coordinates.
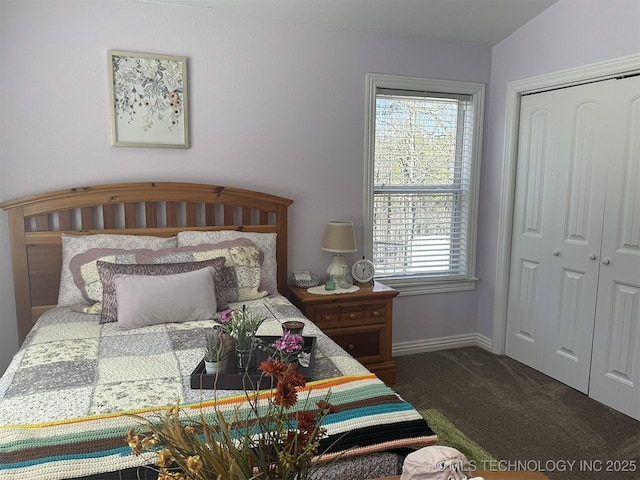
(363, 271)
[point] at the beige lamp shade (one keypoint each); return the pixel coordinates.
(339, 237)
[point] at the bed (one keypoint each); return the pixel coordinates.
(83, 367)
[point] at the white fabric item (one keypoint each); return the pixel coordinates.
(436, 462)
(72, 245)
(320, 290)
(266, 242)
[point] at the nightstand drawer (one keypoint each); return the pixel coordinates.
(364, 346)
(334, 316)
(327, 315)
(377, 312)
(350, 314)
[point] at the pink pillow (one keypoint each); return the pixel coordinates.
(156, 299)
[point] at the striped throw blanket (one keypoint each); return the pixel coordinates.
(370, 418)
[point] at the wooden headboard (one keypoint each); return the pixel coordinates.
(36, 224)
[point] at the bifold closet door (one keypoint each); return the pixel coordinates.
(615, 370)
(557, 230)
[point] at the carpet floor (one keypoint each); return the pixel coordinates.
(523, 418)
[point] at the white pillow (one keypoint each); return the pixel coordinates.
(266, 242)
(151, 300)
(72, 245)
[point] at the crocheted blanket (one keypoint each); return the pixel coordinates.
(370, 418)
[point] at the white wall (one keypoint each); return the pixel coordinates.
(568, 34)
(274, 105)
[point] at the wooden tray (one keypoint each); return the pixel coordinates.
(232, 379)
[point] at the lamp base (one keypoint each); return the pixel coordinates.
(338, 269)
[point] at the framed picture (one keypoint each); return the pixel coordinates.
(148, 100)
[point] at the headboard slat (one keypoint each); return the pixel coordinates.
(64, 220)
(42, 222)
(150, 214)
(228, 215)
(37, 222)
(209, 214)
(192, 214)
(131, 215)
(108, 217)
(172, 214)
(86, 214)
(246, 216)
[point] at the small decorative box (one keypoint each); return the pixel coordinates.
(305, 279)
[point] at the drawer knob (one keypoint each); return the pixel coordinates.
(327, 317)
(351, 346)
(376, 313)
(352, 315)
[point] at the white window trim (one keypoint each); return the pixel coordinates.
(416, 285)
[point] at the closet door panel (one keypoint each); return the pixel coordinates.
(551, 313)
(577, 233)
(526, 308)
(615, 376)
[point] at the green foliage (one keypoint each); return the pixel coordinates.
(217, 345)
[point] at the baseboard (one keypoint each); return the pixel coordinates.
(441, 343)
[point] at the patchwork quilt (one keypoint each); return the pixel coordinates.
(65, 397)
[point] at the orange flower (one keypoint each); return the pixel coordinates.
(285, 394)
(282, 372)
(306, 421)
(295, 378)
(271, 368)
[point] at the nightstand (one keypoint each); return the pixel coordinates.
(360, 322)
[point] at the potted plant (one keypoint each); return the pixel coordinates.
(286, 349)
(242, 326)
(216, 351)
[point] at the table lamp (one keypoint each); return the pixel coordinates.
(339, 238)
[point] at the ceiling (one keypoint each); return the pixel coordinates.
(478, 21)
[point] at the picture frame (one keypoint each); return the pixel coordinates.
(148, 100)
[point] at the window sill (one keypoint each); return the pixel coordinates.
(417, 287)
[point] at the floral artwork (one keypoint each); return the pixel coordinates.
(148, 100)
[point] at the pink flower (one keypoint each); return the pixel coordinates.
(226, 316)
(289, 343)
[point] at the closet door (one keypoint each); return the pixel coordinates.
(615, 375)
(531, 237)
(556, 239)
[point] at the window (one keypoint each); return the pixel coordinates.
(423, 142)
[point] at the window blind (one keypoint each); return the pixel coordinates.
(422, 181)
